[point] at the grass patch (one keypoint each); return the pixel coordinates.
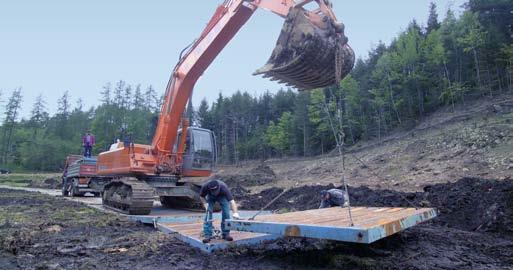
(25, 179)
(10, 216)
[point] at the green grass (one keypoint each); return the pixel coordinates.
(8, 215)
(25, 179)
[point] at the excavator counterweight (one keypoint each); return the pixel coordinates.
(306, 55)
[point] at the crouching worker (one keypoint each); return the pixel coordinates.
(217, 191)
(333, 197)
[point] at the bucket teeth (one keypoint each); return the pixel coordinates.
(304, 56)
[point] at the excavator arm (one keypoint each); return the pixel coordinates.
(226, 22)
(304, 58)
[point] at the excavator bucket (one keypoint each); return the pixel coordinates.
(308, 56)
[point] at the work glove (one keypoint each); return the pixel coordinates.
(236, 216)
(205, 205)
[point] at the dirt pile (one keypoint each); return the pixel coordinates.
(264, 171)
(474, 204)
(469, 204)
(302, 198)
(260, 175)
(473, 230)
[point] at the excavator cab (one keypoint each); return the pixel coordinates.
(200, 155)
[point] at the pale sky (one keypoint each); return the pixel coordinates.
(52, 46)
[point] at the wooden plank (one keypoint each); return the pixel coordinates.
(370, 220)
(320, 215)
(194, 230)
(371, 224)
(335, 216)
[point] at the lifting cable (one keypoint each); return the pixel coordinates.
(340, 139)
(340, 143)
(340, 136)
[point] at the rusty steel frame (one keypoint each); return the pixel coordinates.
(164, 215)
(354, 234)
(215, 246)
(163, 219)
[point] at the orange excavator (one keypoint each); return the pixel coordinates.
(311, 52)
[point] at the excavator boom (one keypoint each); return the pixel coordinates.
(311, 52)
(309, 48)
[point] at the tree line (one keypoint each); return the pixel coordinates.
(448, 61)
(41, 142)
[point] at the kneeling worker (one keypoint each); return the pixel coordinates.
(333, 197)
(217, 191)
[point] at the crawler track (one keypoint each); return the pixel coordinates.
(128, 196)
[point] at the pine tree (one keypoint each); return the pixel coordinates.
(11, 115)
(507, 59)
(189, 113)
(106, 94)
(433, 23)
(63, 105)
(151, 100)
(1, 101)
(39, 115)
(353, 113)
(63, 113)
(302, 122)
(127, 98)
(138, 101)
(79, 105)
(203, 115)
(473, 40)
(118, 94)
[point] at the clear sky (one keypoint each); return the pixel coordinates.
(52, 46)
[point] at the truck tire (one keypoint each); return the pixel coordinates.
(64, 189)
(74, 191)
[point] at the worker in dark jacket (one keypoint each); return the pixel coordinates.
(333, 197)
(217, 191)
(88, 143)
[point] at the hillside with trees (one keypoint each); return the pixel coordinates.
(450, 60)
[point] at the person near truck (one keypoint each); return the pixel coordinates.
(333, 197)
(217, 191)
(88, 143)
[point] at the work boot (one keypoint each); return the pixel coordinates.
(228, 238)
(206, 240)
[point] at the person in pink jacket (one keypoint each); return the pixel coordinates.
(88, 143)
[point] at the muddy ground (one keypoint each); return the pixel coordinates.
(469, 204)
(48, 183)
(474, 231)
(444, 162)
